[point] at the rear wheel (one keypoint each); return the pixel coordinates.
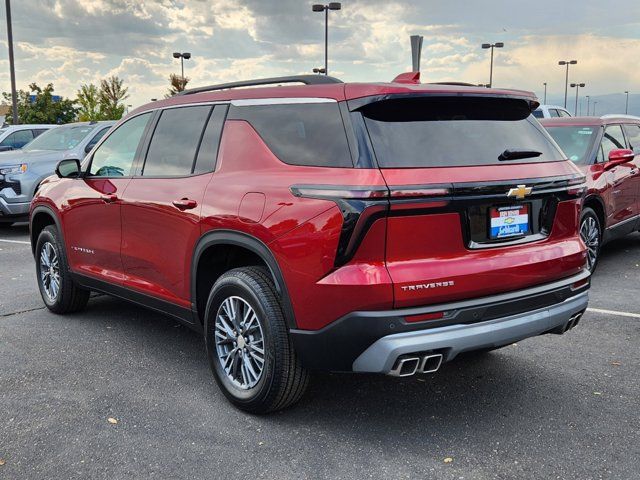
(591, 234)
(58, 290)
(248, 345)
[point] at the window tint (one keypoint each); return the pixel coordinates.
(175, 141)
(633, 135)
(450, 131)
(39, 131)
(538, 113)
(575, 142)
(208, 151)
(612, 140)
(309, 134)
(553, 112)
(114, 158)
(18, 139)
(564, 113)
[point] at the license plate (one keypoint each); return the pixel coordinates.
(512, 221)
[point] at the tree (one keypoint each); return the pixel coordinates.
(112, 94)
(37, 105)
(178, 84)
(89, 102)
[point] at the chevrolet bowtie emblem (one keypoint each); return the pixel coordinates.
(520, 191)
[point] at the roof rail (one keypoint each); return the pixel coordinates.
(306, 79)
(458, 84)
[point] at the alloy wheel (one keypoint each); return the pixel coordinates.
(590, 234)
(239, 342)
(49, 271)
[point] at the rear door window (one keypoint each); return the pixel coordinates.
(455, 131)
(175, 141)
(308, 134)
(208, 150)
(553, 112)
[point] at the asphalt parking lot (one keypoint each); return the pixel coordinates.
(557, 407)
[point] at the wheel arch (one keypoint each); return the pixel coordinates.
(596, 203)
(41, 217)
(220, 241)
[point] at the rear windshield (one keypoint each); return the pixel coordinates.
(451, 132)
(575, 142)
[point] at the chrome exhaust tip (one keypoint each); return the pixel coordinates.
(430, 363)
(405, 367)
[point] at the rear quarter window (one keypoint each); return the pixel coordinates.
(307, 134)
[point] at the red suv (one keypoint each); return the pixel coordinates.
(605, 149)
(327, 226)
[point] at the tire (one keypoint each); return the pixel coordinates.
(63, 296)
(281, 381)
(591, 234)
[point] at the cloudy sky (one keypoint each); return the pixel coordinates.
(70, 42)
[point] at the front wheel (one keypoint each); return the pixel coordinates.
(58, 290)
(248, 345)
(591, 234)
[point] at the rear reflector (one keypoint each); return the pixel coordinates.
(579, 284)
(423, 317)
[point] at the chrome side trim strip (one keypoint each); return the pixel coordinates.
(251, 102)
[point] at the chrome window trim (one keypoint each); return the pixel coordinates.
(280, 101)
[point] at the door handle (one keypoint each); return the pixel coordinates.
(185, 204)
(109, 197)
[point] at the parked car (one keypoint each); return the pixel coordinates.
(14, 137)
(605, 149)
(327, 226)
(550, 111)
(22, 171)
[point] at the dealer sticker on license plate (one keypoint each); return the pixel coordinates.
(510, 221)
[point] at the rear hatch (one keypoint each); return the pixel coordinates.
(482, 201)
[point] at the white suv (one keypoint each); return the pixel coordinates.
(551, 111)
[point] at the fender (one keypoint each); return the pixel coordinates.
(51, 213)
(232, 237)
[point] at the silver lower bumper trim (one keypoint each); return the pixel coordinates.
(454, 339)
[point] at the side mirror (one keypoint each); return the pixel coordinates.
(69, 168)
(6, 148)
(618, 157)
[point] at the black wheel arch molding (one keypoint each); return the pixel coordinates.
(50, 212)
(254, 245)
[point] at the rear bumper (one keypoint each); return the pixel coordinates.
(454, 339)
(372, 341)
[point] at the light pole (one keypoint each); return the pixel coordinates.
(12, 67)
(318, 7)
(182, 56)
(545, 92)
(566, 81)
(492, 46)
(577, 86)
(594, 107)
(626, 105)
(588, 97)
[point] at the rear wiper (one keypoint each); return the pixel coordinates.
(515, 154)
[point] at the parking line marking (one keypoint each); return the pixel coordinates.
(613, 312)
(22, 242)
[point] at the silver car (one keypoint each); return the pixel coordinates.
(21, 171)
